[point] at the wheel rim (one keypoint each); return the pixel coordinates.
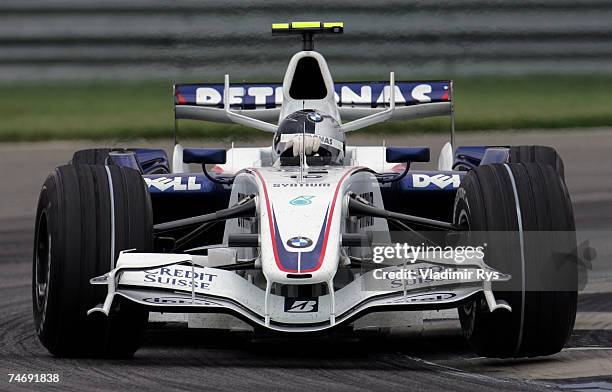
(42, 263)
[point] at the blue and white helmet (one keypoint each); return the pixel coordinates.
(315, 123)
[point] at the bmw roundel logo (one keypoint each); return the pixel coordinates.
(315, 117)
(299, 242)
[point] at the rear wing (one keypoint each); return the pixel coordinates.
(262, 101)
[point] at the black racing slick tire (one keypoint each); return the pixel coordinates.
(92, 156)
(537, 154)
(75, 240)
(524, 215)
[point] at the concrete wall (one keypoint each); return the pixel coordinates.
(198, 40)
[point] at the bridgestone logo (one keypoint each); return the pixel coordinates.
(293, 305)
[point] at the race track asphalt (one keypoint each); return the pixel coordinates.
(436, 358)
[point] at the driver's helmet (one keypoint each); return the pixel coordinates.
(310, 122)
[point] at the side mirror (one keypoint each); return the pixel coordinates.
(407, 154)
(204, 155)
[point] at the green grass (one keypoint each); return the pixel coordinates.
(124, 110)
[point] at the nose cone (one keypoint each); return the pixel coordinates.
(300, 223)
(301, 247)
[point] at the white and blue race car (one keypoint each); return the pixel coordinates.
(307, 234)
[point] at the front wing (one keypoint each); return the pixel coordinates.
(174, 283)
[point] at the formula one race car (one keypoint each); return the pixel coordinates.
(308, 234)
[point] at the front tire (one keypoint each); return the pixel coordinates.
(74, 238)
(535, 248)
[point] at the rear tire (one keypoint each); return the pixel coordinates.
(538, 154)
(543, 288)
(73, 245)
(93, 156)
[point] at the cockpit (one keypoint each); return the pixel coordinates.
(315, 135)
